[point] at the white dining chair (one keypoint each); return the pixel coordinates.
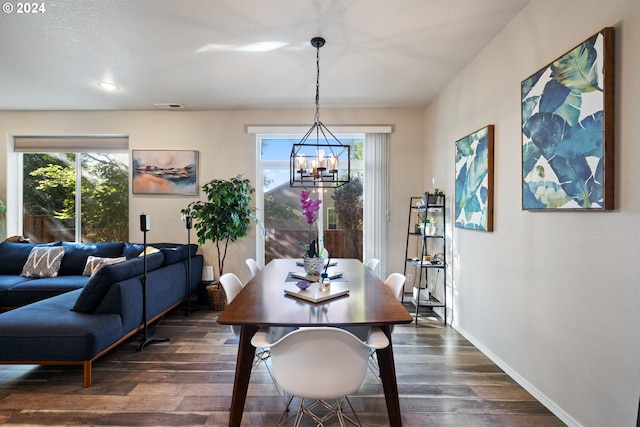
(320, 364)
(232, 287)
(372, 264)
(395, 282)
(253, 266)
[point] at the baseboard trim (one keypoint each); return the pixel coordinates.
(541, 397)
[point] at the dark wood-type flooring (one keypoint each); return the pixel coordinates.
(443, 380)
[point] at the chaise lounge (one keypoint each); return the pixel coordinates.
(72, 319)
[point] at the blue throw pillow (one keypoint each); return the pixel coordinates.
(132, 250)
(13, 256)
(101, 281)
(76, 254)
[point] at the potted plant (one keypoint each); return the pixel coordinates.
(313, 261)
(436, 197)
(225, 216)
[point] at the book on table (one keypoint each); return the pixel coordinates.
(316, 293)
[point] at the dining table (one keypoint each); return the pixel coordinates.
(263, 303)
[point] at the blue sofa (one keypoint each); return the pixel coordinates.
(73, 319)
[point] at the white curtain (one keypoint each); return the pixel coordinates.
(376, 196)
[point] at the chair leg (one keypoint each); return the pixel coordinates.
(263, 356)
(337, 409)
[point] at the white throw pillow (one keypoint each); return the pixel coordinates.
(94, 264)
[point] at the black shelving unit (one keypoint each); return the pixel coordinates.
(425, 253)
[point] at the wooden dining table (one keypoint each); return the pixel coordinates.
(263, 303)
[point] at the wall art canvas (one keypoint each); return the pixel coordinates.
(165, 172)
(567, 130)
(474, 180)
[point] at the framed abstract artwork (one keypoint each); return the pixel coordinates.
(474, 180)
(164, 172)
(568, 130)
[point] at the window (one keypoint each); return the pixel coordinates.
(74, 189)
(340, 223)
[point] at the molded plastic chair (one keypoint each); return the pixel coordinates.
(253, 266)
(320, 363)
(372, 264)
(232, 287)
(395, 282)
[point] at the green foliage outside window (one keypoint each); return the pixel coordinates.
(49, 190)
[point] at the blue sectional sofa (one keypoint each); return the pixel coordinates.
(73, 319)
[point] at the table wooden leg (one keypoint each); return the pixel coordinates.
(389, 383)
(246, 353)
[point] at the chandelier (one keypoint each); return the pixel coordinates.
(319, 158)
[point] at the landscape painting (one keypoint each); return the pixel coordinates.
(165, 172)
(567, 130)
(474, 180)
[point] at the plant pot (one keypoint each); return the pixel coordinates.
(313, 266)
(217, 297)
(424, 294)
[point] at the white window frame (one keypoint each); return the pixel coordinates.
(17, 145)
(376, 213)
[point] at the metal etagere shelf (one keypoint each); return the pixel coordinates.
(425, 254)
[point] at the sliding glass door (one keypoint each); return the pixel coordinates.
(340, 219)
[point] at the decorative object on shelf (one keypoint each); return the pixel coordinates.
(433, 198)
(474, 180)
(420, 294)
(568, 129)
(164, 172)
(319, 158)
(226, 214)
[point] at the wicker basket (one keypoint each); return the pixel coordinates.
(217, 297)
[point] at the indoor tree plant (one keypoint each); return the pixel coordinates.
(226, 214)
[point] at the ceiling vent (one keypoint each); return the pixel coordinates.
(170, 106)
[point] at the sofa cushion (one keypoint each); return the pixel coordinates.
(100, 282)
(32, 290)
(94, 263)
(14, 255)
(43, 261)
(173, 252)
(48, 330)
(76, 255)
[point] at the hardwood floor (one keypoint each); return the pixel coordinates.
(442, 379)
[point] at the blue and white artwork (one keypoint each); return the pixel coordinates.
(474, 180)
(164, 172)
(564, 161)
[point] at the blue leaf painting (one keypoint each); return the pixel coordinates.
(562, 135)
(473, 160)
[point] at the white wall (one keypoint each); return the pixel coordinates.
(552, 297)
(225, 151)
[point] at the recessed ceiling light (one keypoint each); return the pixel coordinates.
(108, 86)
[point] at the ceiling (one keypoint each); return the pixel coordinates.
(202, 54)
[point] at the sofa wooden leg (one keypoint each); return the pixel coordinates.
(86, 368)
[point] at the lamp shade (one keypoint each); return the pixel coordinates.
(207, 273)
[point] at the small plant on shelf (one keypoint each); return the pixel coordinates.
(436, 197)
